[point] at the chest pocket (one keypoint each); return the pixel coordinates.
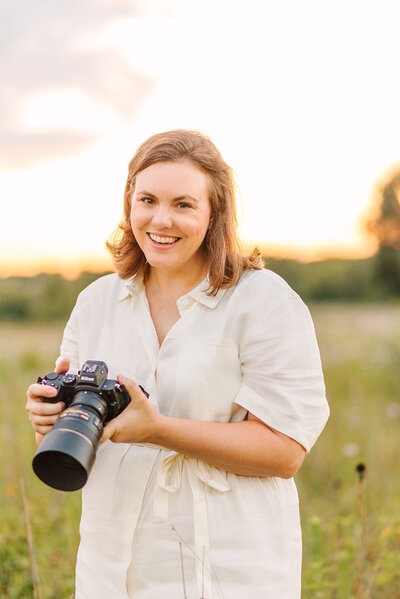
(201, 379)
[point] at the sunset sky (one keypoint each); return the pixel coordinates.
(302, 99)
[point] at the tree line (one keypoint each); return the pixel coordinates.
(47, 297)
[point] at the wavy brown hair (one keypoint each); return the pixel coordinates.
(221, 244)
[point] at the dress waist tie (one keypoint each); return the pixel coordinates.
(201, 475)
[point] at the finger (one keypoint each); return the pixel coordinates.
(39, 438)
(38, 420)
(43, 430)
(133, 389)
(42, 408)
(109, 431)
(62, 365)
(37, 391)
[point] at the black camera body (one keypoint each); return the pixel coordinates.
(91, 378)
(67, 453)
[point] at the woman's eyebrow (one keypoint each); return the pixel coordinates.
(186, 197)
(143, 192)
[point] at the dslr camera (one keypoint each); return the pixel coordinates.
(67, 453)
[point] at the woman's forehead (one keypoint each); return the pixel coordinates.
(177, 178)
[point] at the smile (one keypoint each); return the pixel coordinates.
(163, 240)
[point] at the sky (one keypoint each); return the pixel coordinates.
(302, 99)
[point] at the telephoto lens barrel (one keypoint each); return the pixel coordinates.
(67, 453)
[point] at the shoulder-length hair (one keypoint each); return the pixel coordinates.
(221, 244)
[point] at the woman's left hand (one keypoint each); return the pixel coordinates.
(137, 423)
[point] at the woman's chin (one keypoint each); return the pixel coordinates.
(162, 262)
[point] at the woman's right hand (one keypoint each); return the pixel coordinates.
(41, 414)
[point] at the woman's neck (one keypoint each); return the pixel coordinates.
(170, 284)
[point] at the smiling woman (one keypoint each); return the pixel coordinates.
(193, 484)
(199, 183)
(171, 220)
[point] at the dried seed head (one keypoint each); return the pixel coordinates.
(361, 469)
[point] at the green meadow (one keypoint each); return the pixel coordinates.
(349, 485)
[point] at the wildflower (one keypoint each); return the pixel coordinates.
(393, 410)
(350, 450)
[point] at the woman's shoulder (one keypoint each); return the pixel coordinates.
(265, 291)
(106, 288)
(264, 282)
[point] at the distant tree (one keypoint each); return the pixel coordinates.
(386, 228)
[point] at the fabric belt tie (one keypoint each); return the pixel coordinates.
(201, 475)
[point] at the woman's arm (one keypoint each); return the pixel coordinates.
(250, 447)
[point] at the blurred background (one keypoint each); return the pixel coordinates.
(303, 101)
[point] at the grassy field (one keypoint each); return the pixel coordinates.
(349, 484)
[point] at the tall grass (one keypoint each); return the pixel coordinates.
(349, 484)
(38, 526)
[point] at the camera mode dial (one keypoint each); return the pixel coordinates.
(69, 379)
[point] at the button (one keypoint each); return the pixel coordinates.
(69, 379)
(52, 376)
(184, 302)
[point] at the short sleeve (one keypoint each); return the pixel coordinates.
(283, 383)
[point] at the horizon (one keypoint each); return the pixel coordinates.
(302, 120)
(71, 267)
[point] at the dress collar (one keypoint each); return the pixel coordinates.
(199, 294)
(130, 287)
(134, 286)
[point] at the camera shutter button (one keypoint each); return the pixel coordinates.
(52, 376)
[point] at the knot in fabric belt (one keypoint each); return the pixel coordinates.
(201, 475)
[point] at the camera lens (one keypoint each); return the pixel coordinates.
(67, 453)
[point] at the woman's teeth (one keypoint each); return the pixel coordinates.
(165, 240)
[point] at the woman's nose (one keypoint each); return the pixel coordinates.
(162, 217)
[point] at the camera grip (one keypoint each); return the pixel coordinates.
(51, 380)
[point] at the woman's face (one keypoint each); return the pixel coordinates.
(170, 215)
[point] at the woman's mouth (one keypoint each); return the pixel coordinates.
(163, 240)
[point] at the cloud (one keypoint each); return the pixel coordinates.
(19, 150)
(42, 49)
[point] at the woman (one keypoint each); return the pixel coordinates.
(192, 491)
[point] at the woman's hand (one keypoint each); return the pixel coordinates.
(139, 421)
(41, 414)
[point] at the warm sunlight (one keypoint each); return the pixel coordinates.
(76, 111)
(300, 118)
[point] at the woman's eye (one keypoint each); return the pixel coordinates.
(183, 205)
(147, 200)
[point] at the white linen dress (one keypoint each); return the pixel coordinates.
(156, 523)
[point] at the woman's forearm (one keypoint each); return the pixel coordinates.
(248, 448)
